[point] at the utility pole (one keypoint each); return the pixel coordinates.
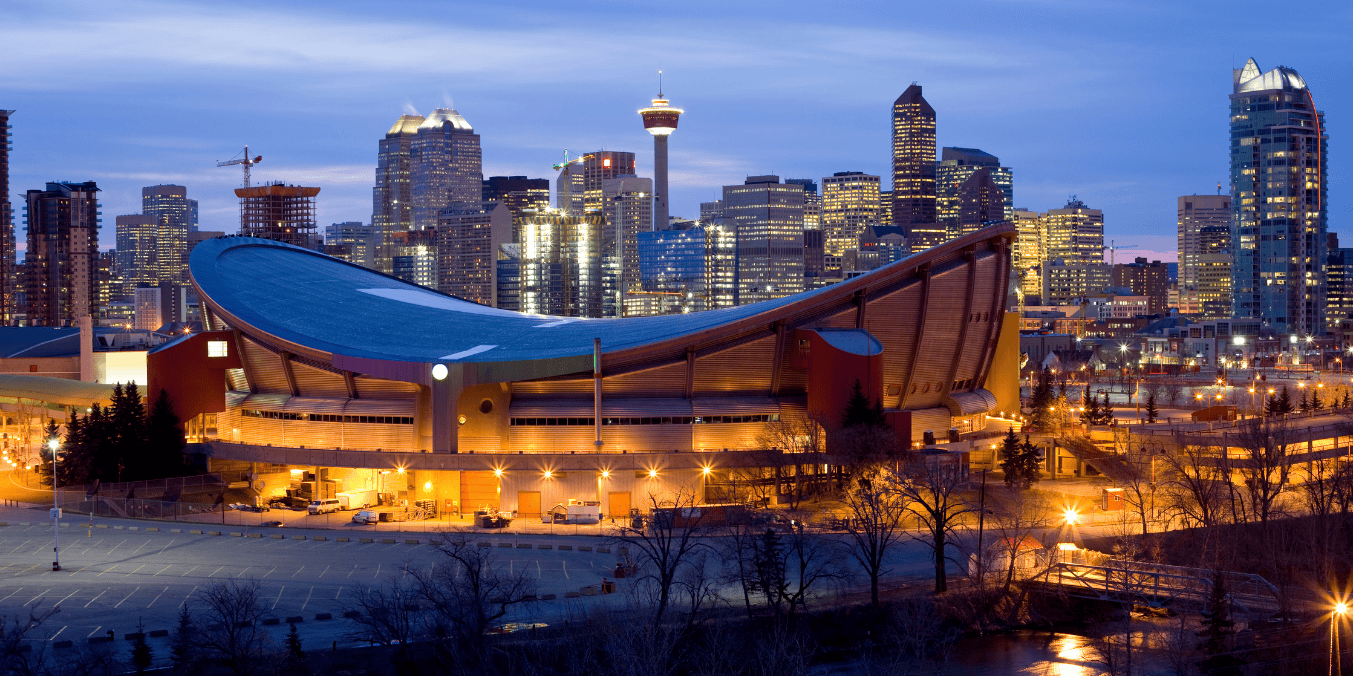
(56, 508)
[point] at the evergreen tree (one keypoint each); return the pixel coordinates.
(127, 432)
(1305, 405)
(1021, 464)
(1217, 630)
(1316, 404)
(1347, 402)
(1284, 401)
(142, 655)
(1151, 412)
(183, 649)
(1106, 411)
(768, 565)
(295, 658)
(1092, 413)
(164, 439)
(1040, 402)
(1271, 405)
(857, 408)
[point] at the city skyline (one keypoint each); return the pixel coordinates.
(1054, 112)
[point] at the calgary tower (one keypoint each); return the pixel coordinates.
(660, 119)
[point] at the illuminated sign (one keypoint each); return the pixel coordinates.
(217, 348)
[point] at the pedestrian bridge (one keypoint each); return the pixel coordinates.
(1161, 586)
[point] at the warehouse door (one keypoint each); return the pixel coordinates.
(478, 490)
(618, 505)
(528, 504)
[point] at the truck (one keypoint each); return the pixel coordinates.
(576, 512)
(356, 499)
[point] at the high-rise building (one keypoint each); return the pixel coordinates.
(886, 207)
(957, 165)
(470, 238)
(698, 264)
(63, 252)
(9, 281)
(914, 169)
(812, 202)
(627, 203)
(850, 202)
(176, 216)
(414, 257)
(561, 271)
(709, 211)
(767, 217)
(1338, 288)
(1075, 234)
(578, 188)
(278, 211)
(509, 277)
(1151, 280)
(137, 254)
(879, 246)
(392, 198)
(522, 196)
(1030, 252)
(1279, 187)
(660, 119)
(1065, 283)
(1205, 256)
(445, 166)
(354, 242)
(980, 201)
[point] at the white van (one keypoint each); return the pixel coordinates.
(366, 516)
(324, 506)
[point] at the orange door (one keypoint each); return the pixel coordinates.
(528, 504)
(618, 505)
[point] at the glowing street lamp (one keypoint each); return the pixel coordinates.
(55, 444)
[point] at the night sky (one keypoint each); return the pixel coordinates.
(1123, 104)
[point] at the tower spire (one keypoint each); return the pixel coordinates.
(659, 83)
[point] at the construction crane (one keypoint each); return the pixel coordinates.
(246, 161)
(567, 161)
(1114, 247)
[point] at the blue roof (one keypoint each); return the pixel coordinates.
(39, 341)
(332, 306)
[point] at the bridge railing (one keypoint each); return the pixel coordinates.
(1153, 584)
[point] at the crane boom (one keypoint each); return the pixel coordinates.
(247, 161)
(1114, 247)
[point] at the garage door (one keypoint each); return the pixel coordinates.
(478, 490)
(528, 504)
(618, 505)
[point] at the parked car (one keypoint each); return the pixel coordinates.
(366, 516)
(271, 524)
(324, 506)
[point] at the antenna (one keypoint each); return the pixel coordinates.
(659, 83)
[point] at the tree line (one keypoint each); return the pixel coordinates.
(119, 442)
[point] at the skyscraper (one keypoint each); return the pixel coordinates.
(914, 169)
(578, 188)
(9, 291)
(175, 214)
(522, 196)
(63, 252)
(956, 166)
(627, 203)
(560, 270)
(137, 254)
(697, 263)
(469, 241)
(850, 203)
(980, 200)
(354, 242)
(1145, 279)
(392, 198)
(277, 211)
(1205, 255)
(1278, 192)
(767, 217)
(445, 166)
(812, 202)
(660, 119)
(1075, 234)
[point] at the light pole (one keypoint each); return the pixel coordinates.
(1336, 659)
(54, 445)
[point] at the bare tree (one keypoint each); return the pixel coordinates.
(1198, 487)
(875, 505)
(467, 594)
(14, 631)
(1266, 464)
(387, 615)
(666, 546)
(232, 633)
(932, 491)
(800, 440)
(1017, 516)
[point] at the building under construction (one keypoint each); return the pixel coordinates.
(278, 211)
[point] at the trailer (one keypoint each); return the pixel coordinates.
(356, 499)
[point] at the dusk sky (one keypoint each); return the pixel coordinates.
(1123, 104)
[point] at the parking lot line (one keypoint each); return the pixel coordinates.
(269, 572)
(164, 569)
(190, 570)
(58, 603)
(278, 599)
(137, 568)
(58, 633)
(298, 571)
(109, 568)
(134, 551)
(216, 571)
(37, 597)
(242, 572)
(188, 596)
(307, 598)
(21, 545)
(565, 565)
(171, 541)
(128, 596)
(124, 541)
(96, 630)
(91, 601)
(354, 569)
(326, 569)
(157, 598)
(378, 570)
(16, 591)
(25, 570)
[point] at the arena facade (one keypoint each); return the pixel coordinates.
(315, 370)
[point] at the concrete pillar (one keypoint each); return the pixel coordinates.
(445, 417)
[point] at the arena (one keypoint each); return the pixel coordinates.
(316, 375)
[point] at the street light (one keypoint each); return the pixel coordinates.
(54, 444)
(1336, 659)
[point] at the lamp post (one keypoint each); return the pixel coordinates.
(54, 444)
(1336, 659)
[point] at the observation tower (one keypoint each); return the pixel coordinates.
(660, 119)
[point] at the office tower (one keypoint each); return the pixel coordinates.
(1278, 192)
(195, 238)
(392, 198)
(1075, 234)
(568, 189)
(698, 263)
(1338, 290)
(1031, 232)
(1151, 280)
(627, 203)
(957, 165)
(137, 253)
(561, 271)
(578, 188)
(812, 202)
(879, 246)
(9, 280)
(470, 237)
(176, 215)
(508, 270)
(354, 242)
(980, 202)
(63, 252)
(660, 119)
(1205, 255)
(148, 307)
(850, 202)
(445, 166)
(522, 196)
(767, 218)
(106, 284)
(1066, 283)
(886, 207)
(914, 169)
(815, 272)
(414, 257)
(709, 211)
(277, 211)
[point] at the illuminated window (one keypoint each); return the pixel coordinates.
(217, 348)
